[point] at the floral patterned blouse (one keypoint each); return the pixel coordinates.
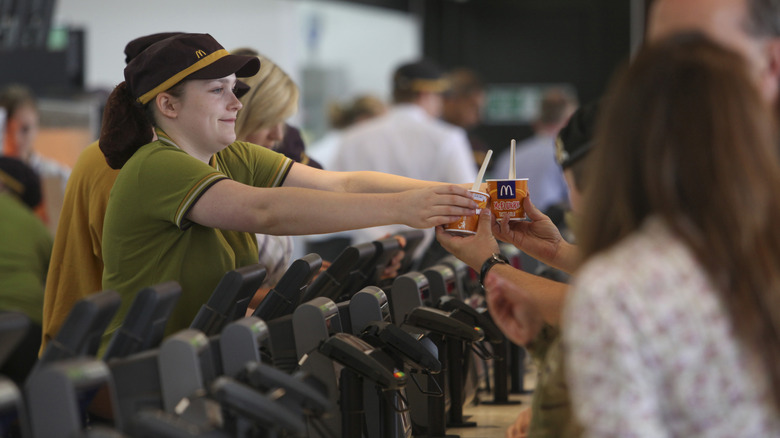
(650, 348)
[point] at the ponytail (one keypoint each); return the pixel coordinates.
(126, 127)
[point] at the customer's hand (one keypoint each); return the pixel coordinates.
(475, 249)
(539, 238)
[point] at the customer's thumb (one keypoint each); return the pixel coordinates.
(485, 218)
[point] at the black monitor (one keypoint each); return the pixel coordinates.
(144, 324)
(414, 238)
(386, 250)
(13, 328)
(283, 298)
(81, 333)
(345, 271)
(230, 299)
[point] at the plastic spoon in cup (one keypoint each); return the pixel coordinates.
(481, 174)
(512, 159)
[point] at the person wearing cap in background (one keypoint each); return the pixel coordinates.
(409, 140)
(463, 105)
(535, 156)
(528, 307)
(185, 207)
(24, 259)
(77, 268)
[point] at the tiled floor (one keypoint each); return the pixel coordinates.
(493, 420)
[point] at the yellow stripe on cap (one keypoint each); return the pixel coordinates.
(430, 85)
(173, 80)
(12, 183)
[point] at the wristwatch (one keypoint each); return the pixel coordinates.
(489, 263)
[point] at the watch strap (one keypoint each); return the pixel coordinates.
(489, 263)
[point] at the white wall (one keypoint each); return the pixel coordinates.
(109, 25)
(367, 41)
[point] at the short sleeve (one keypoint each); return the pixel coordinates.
(171, 181)
(253, 165)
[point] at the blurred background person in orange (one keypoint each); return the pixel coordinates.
(21, 129)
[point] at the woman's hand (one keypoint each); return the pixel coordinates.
(472, 250)
(435, 205)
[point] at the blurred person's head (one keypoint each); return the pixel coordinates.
(21, 127)
(750, 27)
(555, 108)
(271, 100)
(464, 101)
(361, 108)
(685, 137)
(20, 180)
(573, 145)
(421, 83)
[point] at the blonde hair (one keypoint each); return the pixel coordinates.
(272, 99)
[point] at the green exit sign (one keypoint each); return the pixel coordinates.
(516, 104)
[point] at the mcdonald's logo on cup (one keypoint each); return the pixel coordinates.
(506, 197)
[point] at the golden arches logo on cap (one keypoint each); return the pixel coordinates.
(200, 53)
(176, 78)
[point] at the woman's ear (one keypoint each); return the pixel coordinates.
(770, 80)
(167, 105)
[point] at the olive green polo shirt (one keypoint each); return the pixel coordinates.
(24, 258)
(146, 238)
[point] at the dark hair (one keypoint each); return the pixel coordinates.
(412, 79)
(126, 127)
(30, 183)
(763, 17)
(682, 125)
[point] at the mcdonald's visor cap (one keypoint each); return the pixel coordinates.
(183, 56)
(420, 76)
(576, 139)
(138, 45)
